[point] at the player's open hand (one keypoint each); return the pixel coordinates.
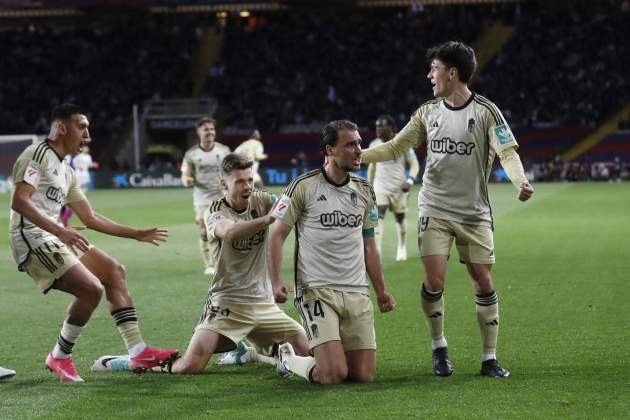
(74, 239)
(386, 302)
(525, 192)
(280, 292)
(153, 235)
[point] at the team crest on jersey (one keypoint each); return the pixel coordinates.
(504, 134)
(471, 125)
(58, 258)
(353, 198)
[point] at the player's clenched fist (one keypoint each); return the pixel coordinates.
(386, 302)
(526, 191)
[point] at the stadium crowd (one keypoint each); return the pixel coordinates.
(294, 70)
(575, 80)
(575, 66)
(554, 170)
(107, 66)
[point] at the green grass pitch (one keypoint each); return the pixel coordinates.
(562, 275)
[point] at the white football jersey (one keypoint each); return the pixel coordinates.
(205, 168)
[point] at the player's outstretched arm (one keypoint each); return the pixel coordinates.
(234, 231)
(274, 259)
(22, 204)
(511, 162)
(100, 223)
(412, 135)
(385, 300)
(371, 172)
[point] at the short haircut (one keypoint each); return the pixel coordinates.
(204, 120)
(64, 111)
(455, 54)
(330, 132)
(389, 119)
(234, 161)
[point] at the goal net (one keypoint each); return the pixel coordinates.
(10, 148)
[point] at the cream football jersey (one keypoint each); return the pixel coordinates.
(205, 168)
(390, 174)
(329, 221)
(241, 266)
(462, 143)
(82, 164)
(55, 185)
(254, 150)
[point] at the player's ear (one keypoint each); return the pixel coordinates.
(453, 73)
(223, 183)
(61, 128)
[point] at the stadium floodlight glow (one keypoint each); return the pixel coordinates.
(244, 13)
(222, 15)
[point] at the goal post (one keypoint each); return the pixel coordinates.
(10, 148)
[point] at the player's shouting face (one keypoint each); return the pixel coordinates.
(441, 78)
(75, 133)
(238, 186)
(346, 154)
(206, 133)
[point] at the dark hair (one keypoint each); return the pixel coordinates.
(204, 120)
(389, 119)
(234, 161)
(455, 54)
(64, 111)
(331, 130)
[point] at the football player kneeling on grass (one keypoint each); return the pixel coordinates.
(334, 214)
(240, 303)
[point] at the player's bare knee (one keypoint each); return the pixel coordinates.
(189, 369)
(117, 276)
(363, 376)
(300, 344)
(434, 283)
(484, 287)
(93, 293)
(334, 374)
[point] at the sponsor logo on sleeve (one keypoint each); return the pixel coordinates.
(283, 206)
(31, 175)
(216, 216)
(504, 134)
